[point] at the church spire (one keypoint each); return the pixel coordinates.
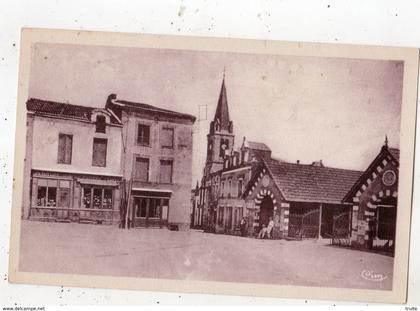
(221, 117)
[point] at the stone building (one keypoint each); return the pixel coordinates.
(304, 200)
(128, 163)
(196, 209)
(374, 197)
(157, 159)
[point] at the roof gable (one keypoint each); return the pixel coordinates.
(392, 153)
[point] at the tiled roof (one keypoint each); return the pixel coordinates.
(59, 109)
(257, 146)
(65, 110)
(395, 153)
(308, 183)
(151, 108)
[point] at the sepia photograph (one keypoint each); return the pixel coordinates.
(226, 166)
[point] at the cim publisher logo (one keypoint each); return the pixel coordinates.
(372, 276)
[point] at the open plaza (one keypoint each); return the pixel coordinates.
(51, 247)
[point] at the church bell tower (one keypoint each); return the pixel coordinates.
(220, 138)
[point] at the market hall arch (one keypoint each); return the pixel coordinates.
(266, 210)
(264, 200)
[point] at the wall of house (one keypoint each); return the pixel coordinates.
(231, 198)
(258, 154)
(26, 199)
(180, 154)
(45, 146)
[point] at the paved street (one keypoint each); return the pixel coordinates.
(159, 253)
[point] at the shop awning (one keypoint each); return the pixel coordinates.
(152, 192)
(98, 182)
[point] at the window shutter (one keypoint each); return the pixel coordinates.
(141, 171)
(167, 137)
(64, 148)
(143, 134)
(61, 148)
(68, 148)
(99, 152)
(166, 171)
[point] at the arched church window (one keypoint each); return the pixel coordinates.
(224, 145)
(217, 127)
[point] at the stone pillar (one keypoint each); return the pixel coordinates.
(285, 206)
(355, 221)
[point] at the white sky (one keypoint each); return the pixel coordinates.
(305, 108)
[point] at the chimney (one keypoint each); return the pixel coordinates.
(114, 107)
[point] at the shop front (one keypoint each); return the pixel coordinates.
(66, 197)
(150, 207)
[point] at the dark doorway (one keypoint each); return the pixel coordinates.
(266, 210)
(387, 216)
(386, 219)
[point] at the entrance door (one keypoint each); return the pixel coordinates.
(382, 228)
(266, 210)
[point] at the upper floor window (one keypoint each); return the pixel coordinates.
(65, 143)
(100, 124)
(99, 152)
(167, 137)
(166, 171)
(229, 187)
(141, 169)
(143, 134)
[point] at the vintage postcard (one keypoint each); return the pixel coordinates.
(209, 165)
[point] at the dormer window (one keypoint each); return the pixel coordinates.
(100, 124)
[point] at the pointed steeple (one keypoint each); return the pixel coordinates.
(220, 137)
(221, 117)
